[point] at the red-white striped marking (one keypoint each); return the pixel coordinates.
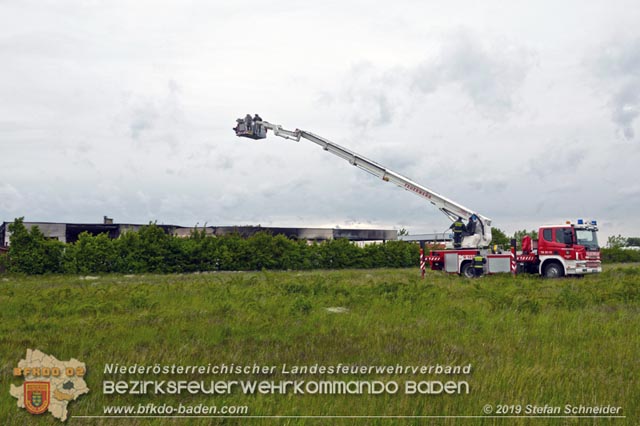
(527, 258)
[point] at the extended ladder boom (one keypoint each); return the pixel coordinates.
(482, 235)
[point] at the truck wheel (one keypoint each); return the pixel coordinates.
(553, 270)
(467, 270)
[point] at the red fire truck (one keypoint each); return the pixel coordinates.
(569, 249)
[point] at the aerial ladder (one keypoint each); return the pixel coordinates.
(480, 237)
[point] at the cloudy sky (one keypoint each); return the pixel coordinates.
(525, 111)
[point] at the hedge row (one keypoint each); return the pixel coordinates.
(152, 250)
(618, 255)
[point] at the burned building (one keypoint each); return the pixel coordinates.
(69, 232)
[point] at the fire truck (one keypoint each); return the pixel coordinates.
(569, 249)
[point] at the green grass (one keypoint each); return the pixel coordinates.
(529, 340)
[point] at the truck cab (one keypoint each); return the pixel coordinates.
(569, 249)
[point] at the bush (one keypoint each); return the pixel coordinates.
(31, 253)
(619, 255)
(151, 249)
(91, 254)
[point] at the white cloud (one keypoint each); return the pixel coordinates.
(487, 72)
(157, 119)
(10, 199)
(617, 64)
(126, 109)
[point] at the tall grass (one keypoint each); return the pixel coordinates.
(529, 340)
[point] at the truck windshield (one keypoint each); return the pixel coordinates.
(587, 238)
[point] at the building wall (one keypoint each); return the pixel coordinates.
(63, 232)
(50, 230)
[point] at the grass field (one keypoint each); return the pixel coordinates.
(528, 340)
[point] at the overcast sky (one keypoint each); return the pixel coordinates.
(524, 111)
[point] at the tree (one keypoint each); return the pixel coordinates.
(91, 254)
(30, 252)
(633, 241)
(616, 241)
(499, 237)
(402, 232)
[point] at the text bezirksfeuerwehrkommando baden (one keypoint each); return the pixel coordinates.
(142, 387)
